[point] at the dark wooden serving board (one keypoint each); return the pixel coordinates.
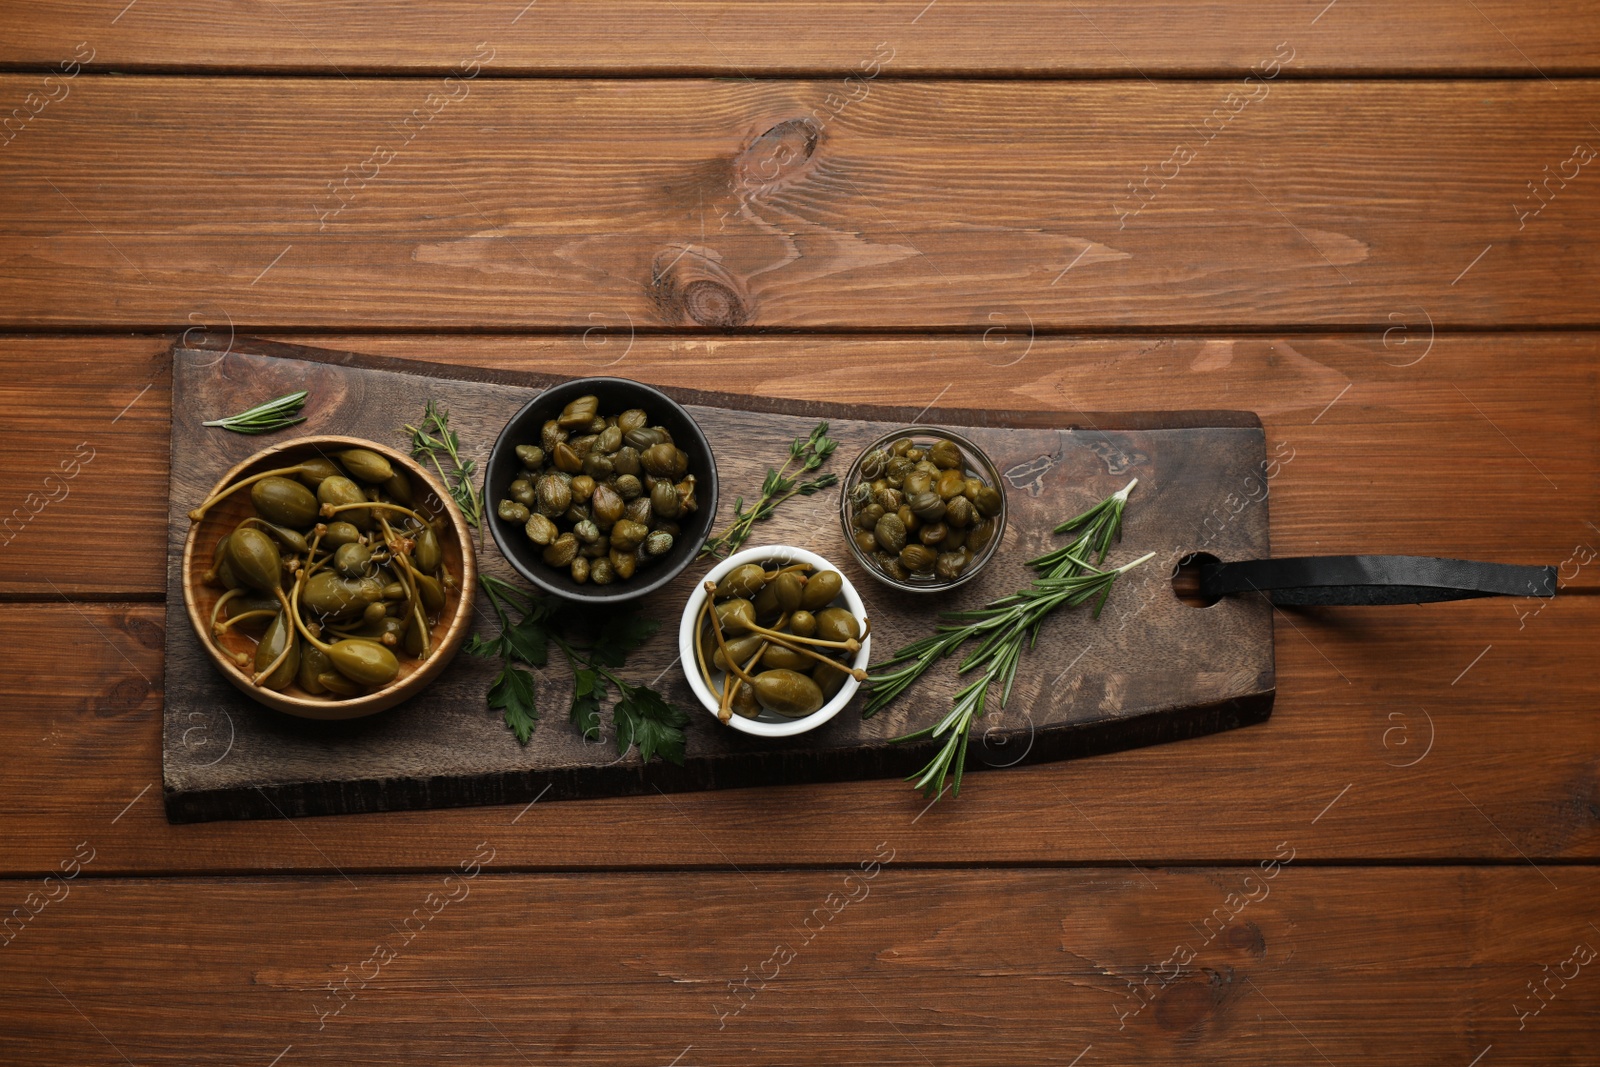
(1151, 669)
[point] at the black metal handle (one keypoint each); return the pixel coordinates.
(1374, 579)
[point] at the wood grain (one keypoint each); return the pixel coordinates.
(1149, 670)
(866, 964)
(1439, 457)
(992, 37)
(1362, 692)
(565, 204)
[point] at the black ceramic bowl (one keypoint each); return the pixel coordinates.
(616, 396)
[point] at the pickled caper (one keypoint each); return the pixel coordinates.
(284, 502)
(745, 580)
(787, 693)
(280, 636)
(366, 465)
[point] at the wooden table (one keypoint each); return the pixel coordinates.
(1372, 224)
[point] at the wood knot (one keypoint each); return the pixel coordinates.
(691, 286)
(777, 155)
(149, 634)
(1184, 1005)
(126, 695)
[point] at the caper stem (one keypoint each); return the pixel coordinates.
(403, 575)
(200, 512)
(850, 645)
(218, 629)
(699, 644)
(221, 600)
(797, 644)
(328, 511)
(730, 685)
(288, 646)
(716, 629)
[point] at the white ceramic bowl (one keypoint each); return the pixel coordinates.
(775, 726)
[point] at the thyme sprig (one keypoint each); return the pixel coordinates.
(810, 453)
(276, 414)
(1003, 628)
(434, 438)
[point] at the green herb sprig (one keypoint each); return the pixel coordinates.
(810, 453)
(1003, 628)
(529, 624)
(434, 438)
(266, 417)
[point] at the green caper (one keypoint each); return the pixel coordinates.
(221, 572)
(626, 461)
(540, 530)
(284, 502)
(627, 535)
(664, 500)
(340, 491)
(330, 594)
(959, 511)
(313, 471)
(837, 624)
(607, 505)
(787, 693)
(645, 437)
(950, 565)
(352, 560)
(312, 663)
(978, 538)
(744, 580)
(933, 533)
(579, 413)
(829, 678)
(640, 511)
(659, 460)
(735, 616)
(874, 463)
(561, 551)
(601, 572)
(890, 533)
(254, 559)
(946, 455)
(586, 531)
(530, 456)
(579, 568)
(916, 483)
(659, 543)
(918, 558)
(740, 649)
(927, 506)
(987, 501)
(628, 487)
(633, 419)
(623, 562)
(366, 465)
(426, 550)
(868, 517)
(779, 657)
(511, 511)
(950, 485)
(364, 662)
(820, 590)
(552, 495)
(566, 458)
(802, 623)
(280, 634)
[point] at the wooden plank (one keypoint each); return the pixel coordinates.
(868, 964)
(992, 37)
(1148, 671)
(1495, 721)
(688, 204)
(1451, 451)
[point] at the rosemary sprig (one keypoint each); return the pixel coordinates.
(780, 484)
(266, 417)
(1004, 628)
(433, 439)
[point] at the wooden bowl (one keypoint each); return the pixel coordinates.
(199, 597)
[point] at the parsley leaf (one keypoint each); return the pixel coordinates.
(619, 635)
(513, 691)
(643, 718)
(587, 689)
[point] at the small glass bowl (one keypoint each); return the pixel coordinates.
(974, 461)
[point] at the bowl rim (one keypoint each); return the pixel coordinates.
(618, 592)
(847, 526)
(691, 610)
(394, 692)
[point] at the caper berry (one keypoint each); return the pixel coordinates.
(788, 693)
